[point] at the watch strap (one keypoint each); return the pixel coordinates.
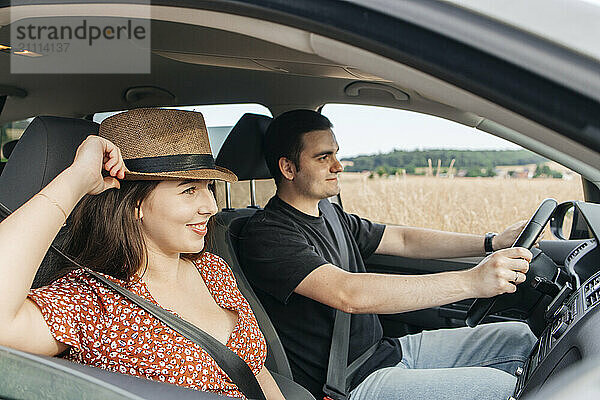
(487, 243)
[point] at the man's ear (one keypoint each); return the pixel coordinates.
(287, 168)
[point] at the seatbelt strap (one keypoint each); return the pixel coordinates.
(335, 385)
(235, 368)
(356, 364)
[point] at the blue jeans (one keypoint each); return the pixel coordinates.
(460, 363)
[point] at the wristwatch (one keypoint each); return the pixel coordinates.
(487, 243)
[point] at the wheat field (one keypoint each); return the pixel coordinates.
(470, 205)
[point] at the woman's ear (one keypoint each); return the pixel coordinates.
(139, 214)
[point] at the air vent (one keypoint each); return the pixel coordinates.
(592, 292)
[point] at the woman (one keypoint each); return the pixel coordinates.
(143, 224)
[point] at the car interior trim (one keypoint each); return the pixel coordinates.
(477, 30)
(265, 30)
(75, 373)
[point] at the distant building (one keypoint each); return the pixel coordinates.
(528, 171)
(515, 171)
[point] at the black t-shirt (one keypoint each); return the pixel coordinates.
(279, 247)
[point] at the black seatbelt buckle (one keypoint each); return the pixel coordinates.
(333, 394)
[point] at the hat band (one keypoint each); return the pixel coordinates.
(173, 163)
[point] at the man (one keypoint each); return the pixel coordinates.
(292, 259)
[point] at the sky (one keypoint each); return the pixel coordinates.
(369, 129)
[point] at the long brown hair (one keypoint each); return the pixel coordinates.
(105, 235)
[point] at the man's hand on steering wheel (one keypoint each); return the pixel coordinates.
(483, 304)
(506, 239)
(499, 272)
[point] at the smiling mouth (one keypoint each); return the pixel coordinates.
(199, 229)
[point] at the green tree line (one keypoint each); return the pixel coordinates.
(465, 159)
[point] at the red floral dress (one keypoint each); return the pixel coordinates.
(105, 330)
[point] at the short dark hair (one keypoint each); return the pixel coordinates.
(284, 137)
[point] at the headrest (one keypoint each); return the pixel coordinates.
(46, 148)
(242, 152)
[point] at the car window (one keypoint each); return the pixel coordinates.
(240, 193)
(402, 167)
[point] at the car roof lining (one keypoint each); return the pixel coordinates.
(253, 56)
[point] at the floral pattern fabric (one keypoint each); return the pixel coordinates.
(106, 330)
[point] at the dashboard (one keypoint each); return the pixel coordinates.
(571, 336)
(571, 332)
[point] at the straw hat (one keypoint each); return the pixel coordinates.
(161, 144)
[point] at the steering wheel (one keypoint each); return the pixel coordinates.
(482, 307)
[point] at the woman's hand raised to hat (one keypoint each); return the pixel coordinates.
(94, 155)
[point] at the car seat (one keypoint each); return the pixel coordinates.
(46, 148)
(242, 153)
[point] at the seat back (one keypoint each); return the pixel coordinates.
(226, 231)
(45, 149)
(242, 153)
